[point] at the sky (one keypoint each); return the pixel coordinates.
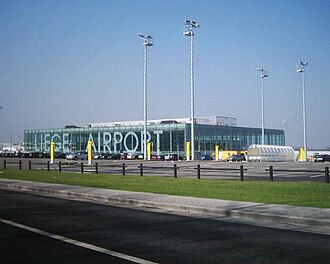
(76, 62)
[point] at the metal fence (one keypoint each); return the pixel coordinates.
(142, 169)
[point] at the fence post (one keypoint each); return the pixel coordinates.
(96, 168)
(20, 164)
(30, 165)
(141, 169)
(82, 167)
(271, 173)
(4, 165)
(198, 171)
(326, 169)
(48, 165)
(124, 169)
(175, 171)
(60, 166)
(241, 173)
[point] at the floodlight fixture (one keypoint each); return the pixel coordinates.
(147, 42)
(284, 123)
(301, 66)
(301, 69)
(189, 27)
(264, 72)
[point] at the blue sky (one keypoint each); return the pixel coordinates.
(76, 62)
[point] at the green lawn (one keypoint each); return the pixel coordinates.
(290, 193)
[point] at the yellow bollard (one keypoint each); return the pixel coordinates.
(216, 152)
(187, 150)
(149, 151)
(302, 155)
(89, 150)
(52, 147)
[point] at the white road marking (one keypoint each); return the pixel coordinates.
(78, 243)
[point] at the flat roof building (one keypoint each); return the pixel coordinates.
(165, 135)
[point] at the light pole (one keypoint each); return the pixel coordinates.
(189, 31)
(147, 42)
(264, 74)
(301, 69)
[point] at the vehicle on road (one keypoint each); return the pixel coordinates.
(322, 158)
(237, 158)
(76, 156)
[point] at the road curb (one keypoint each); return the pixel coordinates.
(280, 219)
(115, 200)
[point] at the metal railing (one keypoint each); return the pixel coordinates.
(271, 171)
(174, 168)
(241, 170)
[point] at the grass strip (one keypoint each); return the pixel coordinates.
(290, 193)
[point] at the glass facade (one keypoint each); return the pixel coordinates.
(234, 138)
(164, 138)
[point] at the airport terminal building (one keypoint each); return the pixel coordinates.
(165, 135)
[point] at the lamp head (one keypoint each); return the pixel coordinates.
(147, 39)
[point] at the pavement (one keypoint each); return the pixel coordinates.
(304, 219)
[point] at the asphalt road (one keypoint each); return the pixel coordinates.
(138, 236)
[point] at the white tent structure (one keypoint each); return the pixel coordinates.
(270, 153)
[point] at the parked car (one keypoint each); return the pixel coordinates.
(105, 156)
(40, 155)
(153, 157)
(157, 157)
(236, 158)
(171, 156)
(160, 157)
(25, 154)
(76, 156)
(116, 156)
(59, 155)
(140, 156)
(96, 155)
(322, 158)
(206, 157)
(130, 156)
